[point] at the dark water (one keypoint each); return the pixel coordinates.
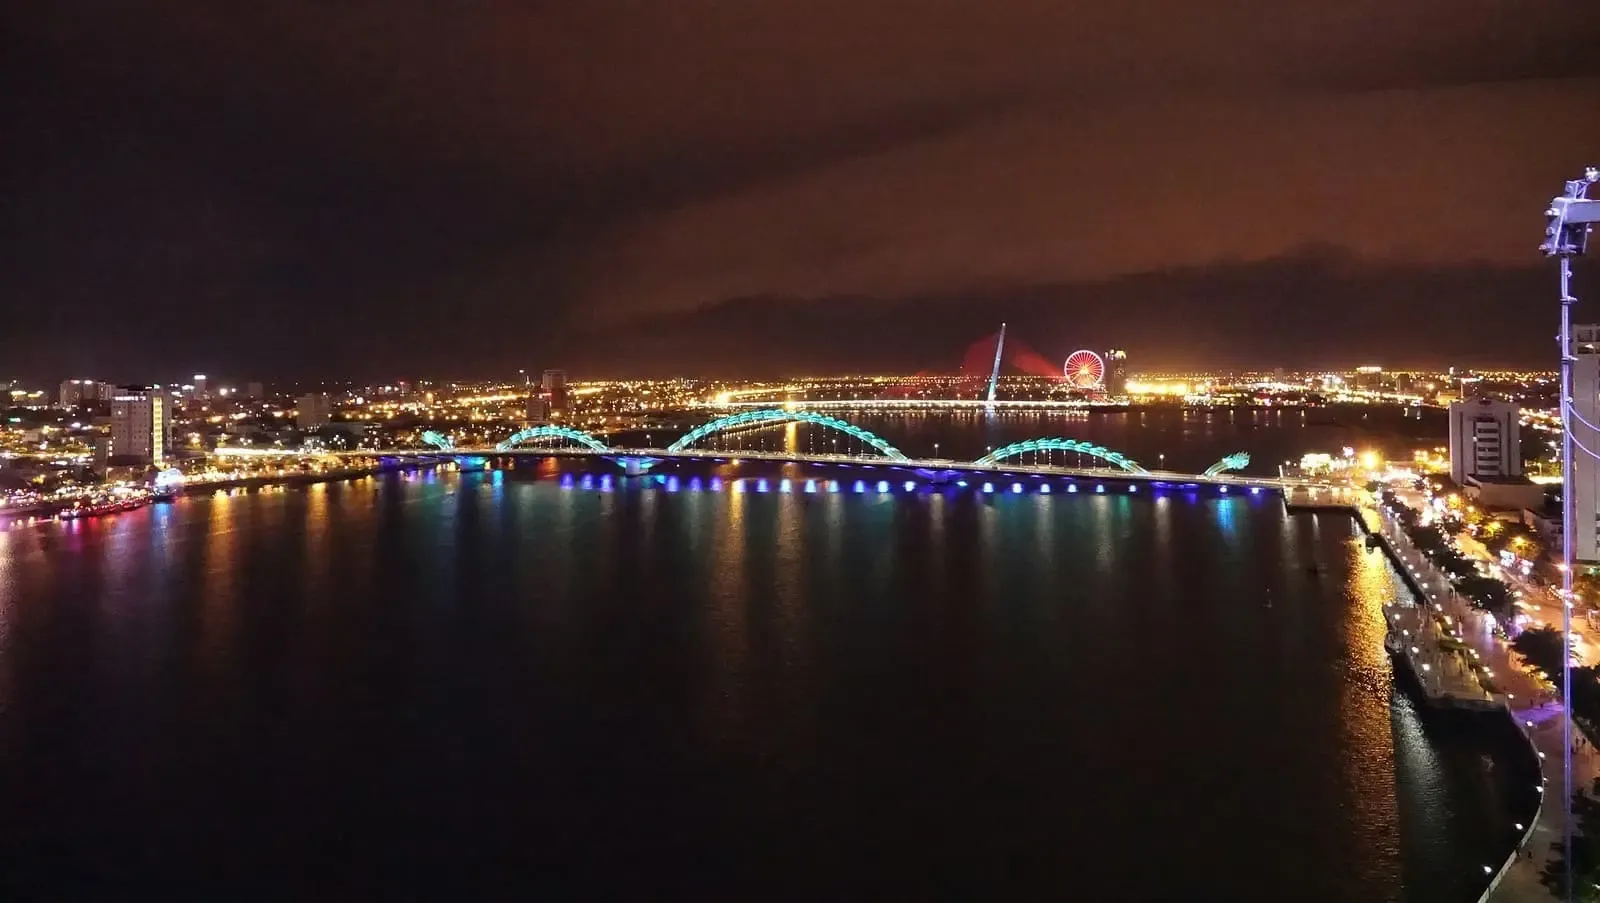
(460, 684)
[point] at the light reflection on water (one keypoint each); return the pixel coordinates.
(945, 691)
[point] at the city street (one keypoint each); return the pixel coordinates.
(1535, 597)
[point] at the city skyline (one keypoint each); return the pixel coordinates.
(800, 448)
(337, 193)
(250, 386)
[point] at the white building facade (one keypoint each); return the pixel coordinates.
(141, 424)
(1584, 480)
(1485, 439)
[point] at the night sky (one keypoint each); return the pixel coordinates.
(450, 188)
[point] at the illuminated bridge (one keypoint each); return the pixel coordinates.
(1044, 456)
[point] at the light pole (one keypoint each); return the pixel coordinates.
(1566, 235)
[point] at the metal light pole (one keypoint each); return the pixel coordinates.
(1566, 235)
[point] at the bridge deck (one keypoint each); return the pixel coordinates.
(1300, 487)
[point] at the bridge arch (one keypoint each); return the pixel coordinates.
(779, 415)
(552, 432)
(438, 440)
(1067, 445)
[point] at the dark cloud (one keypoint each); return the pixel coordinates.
(362, 187)
(1264, 314)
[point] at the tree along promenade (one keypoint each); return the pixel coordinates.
(1532, 700)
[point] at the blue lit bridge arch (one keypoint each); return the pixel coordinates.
(778, 415)
(438, 440)
(534, 434)
(1066, 445)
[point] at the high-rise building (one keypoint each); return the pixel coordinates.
(1368, 378)
(313, 411)
(84, 391)
(255, 391)
(538, 408)
(102, 455)
(1116, 378)
(1584, 480)
(1485, 440)
(141, 423)
(554, 384)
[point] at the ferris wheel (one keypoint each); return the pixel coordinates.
(1085, 370)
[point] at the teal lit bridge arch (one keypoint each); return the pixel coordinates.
(438, 440)
(778, 415)
(552, 432)
(1066, 445)
(1235, 461)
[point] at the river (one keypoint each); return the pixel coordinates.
(492, 681)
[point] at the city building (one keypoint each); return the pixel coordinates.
(83, 391)
(1368, 378)
(538, 408)
(313, 411)
(354, 431)
(101, 461)
(1545, 522)
(1116, 380)
(199, 393)
(141, 424)
(1486, 454)
(1485, 439)
(554, 384)
(1584, 480)
(255, 391)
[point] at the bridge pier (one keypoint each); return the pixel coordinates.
(637, 467)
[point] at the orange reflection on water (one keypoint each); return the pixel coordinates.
(1365, 718)
(726, 705)
(316, 538)
(218, 565)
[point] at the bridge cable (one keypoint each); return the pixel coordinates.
(1586, 449)
(1574, 412)
(1578, 442)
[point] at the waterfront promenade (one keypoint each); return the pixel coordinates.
(1534, 702)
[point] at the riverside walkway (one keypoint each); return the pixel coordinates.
(1535, 704)
(1446, 675)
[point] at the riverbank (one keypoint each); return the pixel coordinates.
(1535, 712)
(52, 511)
(303, 479)
(1522, 717)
